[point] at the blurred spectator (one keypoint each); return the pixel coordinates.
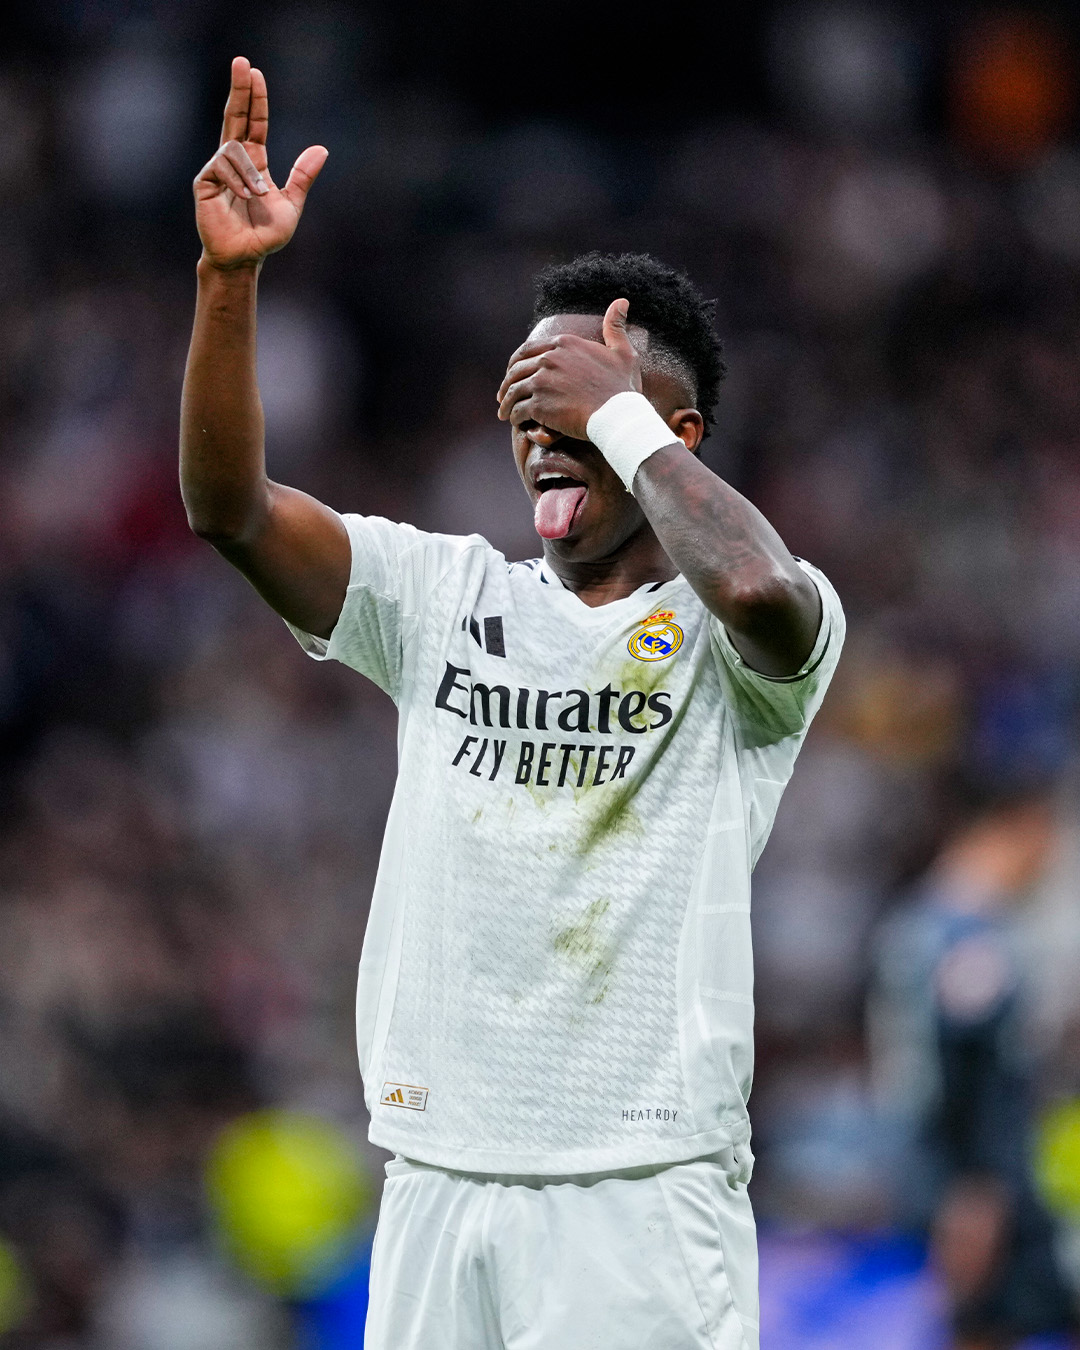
(952, 1023)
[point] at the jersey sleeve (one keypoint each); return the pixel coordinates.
(771, 708)
(395, 568)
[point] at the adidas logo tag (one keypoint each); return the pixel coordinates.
(404, 1094)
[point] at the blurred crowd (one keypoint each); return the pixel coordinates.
(191, 811)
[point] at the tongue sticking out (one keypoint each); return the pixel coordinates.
(555, 511)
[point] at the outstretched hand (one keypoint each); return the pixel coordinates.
(240, 212)
(560, 382)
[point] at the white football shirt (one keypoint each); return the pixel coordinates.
(557, 971)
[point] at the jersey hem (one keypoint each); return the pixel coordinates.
(566, 1162)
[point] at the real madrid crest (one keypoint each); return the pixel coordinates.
(656, 637)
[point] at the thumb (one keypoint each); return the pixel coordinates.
(304, 172)
(615, 334)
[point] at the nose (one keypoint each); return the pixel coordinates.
(541, 435)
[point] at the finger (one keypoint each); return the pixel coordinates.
(521, 389)
(615, 334)
(219, 171)
(528, 349)
(524, 410)
(235, 123)
(518, 371)
(304, 172)
(239, 158)
(259, 116)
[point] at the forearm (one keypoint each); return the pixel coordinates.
(294, 550)
(222, 465)
(733, 558)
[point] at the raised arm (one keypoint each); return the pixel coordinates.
(733, 558)
(719, 541)
(293, 550)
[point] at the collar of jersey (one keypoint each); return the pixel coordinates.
(547, 576)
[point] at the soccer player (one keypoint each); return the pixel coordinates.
(555, 1013)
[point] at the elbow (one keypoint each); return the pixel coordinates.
(219, 539)
(776, 617)
(209, 527)
(756, 603)
(220, 531)
(219, 523)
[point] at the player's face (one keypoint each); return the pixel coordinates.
(607, 516)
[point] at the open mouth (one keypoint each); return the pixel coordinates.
(558, 504)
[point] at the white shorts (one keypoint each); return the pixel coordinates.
(652, 1258)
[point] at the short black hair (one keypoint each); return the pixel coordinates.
(663, 301)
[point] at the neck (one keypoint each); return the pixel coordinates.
(601, 581)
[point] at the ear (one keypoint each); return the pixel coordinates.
(689, 425)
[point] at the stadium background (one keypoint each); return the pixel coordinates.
(886, 203)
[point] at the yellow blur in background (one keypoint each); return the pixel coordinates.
(289, 1196)
(1057, 1159)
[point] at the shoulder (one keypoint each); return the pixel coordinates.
(409, 551)
(401, 537)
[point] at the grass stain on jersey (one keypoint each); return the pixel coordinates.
(588, 950)
(607, 810)
(614, 818)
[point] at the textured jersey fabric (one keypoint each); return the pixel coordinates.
(557, 972)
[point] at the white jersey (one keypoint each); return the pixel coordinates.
(557, 971)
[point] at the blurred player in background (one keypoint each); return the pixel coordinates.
(951, 1035)
(555, 1012)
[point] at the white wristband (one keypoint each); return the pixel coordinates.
(626, 430)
